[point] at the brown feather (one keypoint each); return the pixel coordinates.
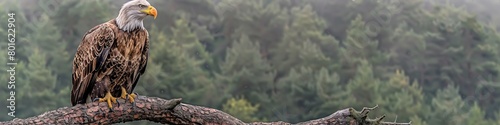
(95, 70)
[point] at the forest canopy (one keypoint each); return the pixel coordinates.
(432, 62)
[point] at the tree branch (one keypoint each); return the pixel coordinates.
(174, 112)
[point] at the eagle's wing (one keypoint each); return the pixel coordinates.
(89, 59)
(144, 63)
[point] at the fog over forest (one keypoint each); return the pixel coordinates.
(432, 62)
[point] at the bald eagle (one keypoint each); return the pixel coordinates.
(112, 56)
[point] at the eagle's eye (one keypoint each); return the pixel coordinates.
(142, 6)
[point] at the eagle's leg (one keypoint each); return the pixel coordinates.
(125, 95)
(109, 99)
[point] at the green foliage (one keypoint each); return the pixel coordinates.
(402, 100)
(329, 90)
(49, 41)
(37, 85)
(5, 89)
(241, 109)
(73, 18)
(244, 72)
(447, 105)
(316, 92)
(363, 88)
(476, 116)
(359, 47)
(303, 43)
(176, 64)
(295, 90)
(259, 20)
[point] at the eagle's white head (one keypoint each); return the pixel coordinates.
(132, 14)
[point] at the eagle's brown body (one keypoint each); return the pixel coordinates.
(108, 58)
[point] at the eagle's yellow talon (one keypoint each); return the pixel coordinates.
(132, 97)
(125, 95)
(109, 99)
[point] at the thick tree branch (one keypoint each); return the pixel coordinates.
(174, 112)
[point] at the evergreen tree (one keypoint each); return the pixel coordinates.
(463, 58)
(176, 64)
(49, 40)
(245, 73)
(447, 105)
(9, 7)
(476, 116)
(306, 25)
(303, 44)
(359, 46)
(84, 16)
(489, 85)
(363, 89)
(335, 21)
(6, 78)
(259, 20)
(184, 37)
(402, 100)
(37, 85)
(409, 52)
(294, 97)
(328, 91)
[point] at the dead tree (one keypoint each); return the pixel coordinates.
(174, 112)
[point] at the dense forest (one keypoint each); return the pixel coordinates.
(432, 62)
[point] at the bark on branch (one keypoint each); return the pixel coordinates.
(174, 112)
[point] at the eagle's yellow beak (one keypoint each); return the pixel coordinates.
(150, 11)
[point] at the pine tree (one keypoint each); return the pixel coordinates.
(176, 67)
(295, 96)
(303, 43)
(245, 73)
(363, 89)
(488, 87)
(6, 78)
(337, 22)
(475, 116)
(462, 56)
(49, 41)
(37, 85)
(408, 51)
(184, 37)
(84, 15)
(447, 105)
(328, 91)
(259, 20)
(359, 46)
(401, 99)
(306, 25)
